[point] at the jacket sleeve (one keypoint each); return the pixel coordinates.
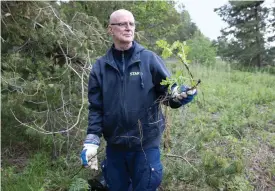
(160, 73)
(95, 102)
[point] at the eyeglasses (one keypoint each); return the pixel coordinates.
(125, 24)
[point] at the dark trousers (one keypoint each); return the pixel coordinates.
(138, 171)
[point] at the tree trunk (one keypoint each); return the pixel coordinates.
(258, 43)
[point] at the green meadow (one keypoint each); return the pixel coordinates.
(223, 140)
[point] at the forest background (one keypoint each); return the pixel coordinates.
(224, 140)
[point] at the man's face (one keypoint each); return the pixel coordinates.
(122, 28)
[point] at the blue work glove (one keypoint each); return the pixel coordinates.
(89, 156)
(183, 95)
(89, 152)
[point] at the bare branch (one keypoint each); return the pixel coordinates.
(181, 157)
(43, 131)
(26, 125)
(188, 151)
(34, 23)
(62, 22)
(69, 65)
(10, 13)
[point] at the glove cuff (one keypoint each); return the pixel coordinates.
(92, 139)
(88, 145)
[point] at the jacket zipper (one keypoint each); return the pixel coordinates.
(123, 100)
(123, 103)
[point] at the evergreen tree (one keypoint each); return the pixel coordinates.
(187, 28)
(46, 60)
(245, 33)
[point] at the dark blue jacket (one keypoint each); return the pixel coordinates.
(125, 102)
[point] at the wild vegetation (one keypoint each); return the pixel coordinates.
(224, 140)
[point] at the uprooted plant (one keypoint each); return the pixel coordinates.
(180, 50)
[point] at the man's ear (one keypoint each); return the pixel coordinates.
(110, 30)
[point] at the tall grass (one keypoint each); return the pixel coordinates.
(226, 136)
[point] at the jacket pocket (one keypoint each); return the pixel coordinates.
(109, 124)
(155, 177)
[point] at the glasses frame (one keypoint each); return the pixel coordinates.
(124, 24)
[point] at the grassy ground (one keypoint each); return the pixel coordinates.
(224, 140)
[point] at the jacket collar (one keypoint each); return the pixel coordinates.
(117, 54)
(109, 59)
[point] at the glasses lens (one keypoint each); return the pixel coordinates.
(131, 24)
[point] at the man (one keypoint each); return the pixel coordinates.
(124, 93)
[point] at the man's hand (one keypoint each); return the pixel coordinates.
(183, 94)
(89, 156)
